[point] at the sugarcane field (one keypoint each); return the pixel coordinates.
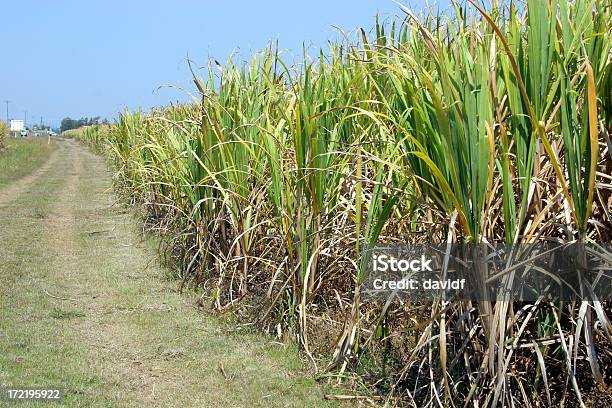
(367, 203)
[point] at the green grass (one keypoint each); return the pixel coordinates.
(57, 313)
(22, 157)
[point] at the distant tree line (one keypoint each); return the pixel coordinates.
(69, 123)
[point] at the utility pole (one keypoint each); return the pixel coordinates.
(25, 119)
(41, 126)
(7, 118)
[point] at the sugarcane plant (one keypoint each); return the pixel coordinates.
(490, 125)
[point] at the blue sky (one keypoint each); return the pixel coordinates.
(95, 58)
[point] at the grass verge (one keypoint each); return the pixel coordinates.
(22, 157)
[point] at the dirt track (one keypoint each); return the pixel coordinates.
(85, 306)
